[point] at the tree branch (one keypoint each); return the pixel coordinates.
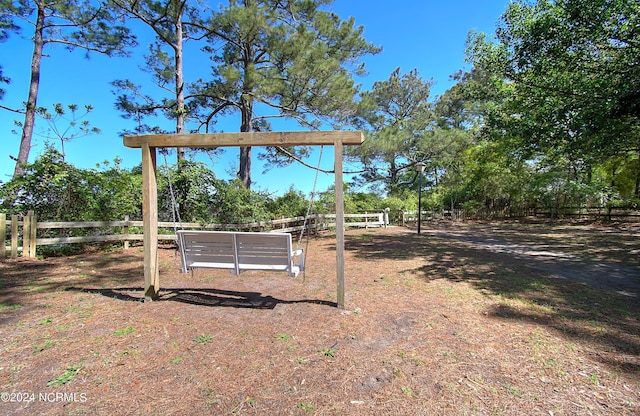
(13, 110)
(281, 150)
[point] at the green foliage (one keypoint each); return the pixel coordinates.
(38, 348)
(203, 339)
(306, 407)
(69, 374)
(492, 178)
(558, 189)
(283, 337)
(65, 123)
(235, 204)
(173, 23)
(58, 191)
(398, 116)
(194, 192)
(92, 26)
(74, 24)
(329, 352)
(569, 78)
(123, 331)
(51, 187)
(355, 202)
(406, 200)
(294, 58)
(291, 204)
(117, 192)
(558, 88)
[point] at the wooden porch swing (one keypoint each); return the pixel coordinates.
(149, 143)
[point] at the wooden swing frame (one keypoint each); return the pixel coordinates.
(149, 143)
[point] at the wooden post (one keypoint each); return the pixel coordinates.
(339, 222)
(3, 234)
(14, 236)
(26, 235)
(150, 223)
(34, 235)
(126, 232)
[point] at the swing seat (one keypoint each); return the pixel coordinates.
(239, 251)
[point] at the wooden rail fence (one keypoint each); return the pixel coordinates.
(588, 213)
(25, 229)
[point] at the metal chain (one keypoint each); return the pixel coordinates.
(311, 198)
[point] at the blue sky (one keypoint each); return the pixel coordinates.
(428, 35)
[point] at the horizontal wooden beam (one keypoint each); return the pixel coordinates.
(212, 140)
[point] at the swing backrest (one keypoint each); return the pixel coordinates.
(239, 251)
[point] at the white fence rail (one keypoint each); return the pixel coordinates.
(25, 229)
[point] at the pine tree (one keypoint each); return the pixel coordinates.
(281, 59)
(84, 24)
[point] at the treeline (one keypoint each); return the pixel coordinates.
(58, 191)
(547, 117)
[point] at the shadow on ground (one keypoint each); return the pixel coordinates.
(202, 297)
(547, 288)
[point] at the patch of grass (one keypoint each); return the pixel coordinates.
(177, 360)
(6, 307)
(514, 390)
(123, 331)
(306, 407)
(82, 310)
(328, 352)
(38, 348)
(69, 374)
(407, 391)
(283, 337)
(46, 321)
(203, 339)
(211, 396)
(417, 362)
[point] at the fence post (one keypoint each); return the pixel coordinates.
(26, 235)
(3, 234)
(34, 234)
(14, 236)
(126, 232)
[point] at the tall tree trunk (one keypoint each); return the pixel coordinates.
(393, 172)
(180, 116)
(245, 152)
(30, 113)
(246, 125)
(636, 191)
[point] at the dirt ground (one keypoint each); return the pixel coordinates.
(463, 319)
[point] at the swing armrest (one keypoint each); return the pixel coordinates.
(300, 253)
